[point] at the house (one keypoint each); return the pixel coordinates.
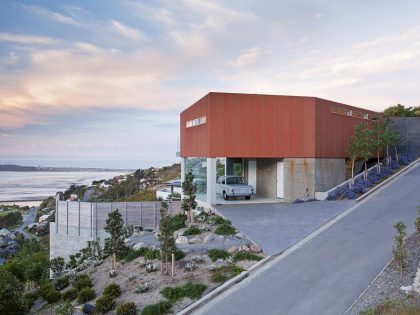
(170, 187)
(287, 147)
(5, 233)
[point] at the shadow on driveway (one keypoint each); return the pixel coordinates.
(276, 227)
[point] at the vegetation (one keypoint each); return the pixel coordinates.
(29, 300)
(225, 229)
(216, 254)
(57, 265)
(399, 250)
(64, 308)
(112, 290)
(115, 227)
(160, 308)
(70, 294)
(128, 308)
(166, 239)
(104, 304)
(192, 230)
(178, 221)
(48, 203)
(61, 283)
(10, 218)
(86, 294)
(11, 299)
(189, 189)
(390, 307)
(82, 281)
(246, 256)
(217, 220)
(191, 290)
(226, 272)
(50, 294)
(417, 223)
(142, 195)
(402, 111)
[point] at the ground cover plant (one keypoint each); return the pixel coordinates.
(224, 273)
(242, 255)
(225, 229)
(162, 307)
(191, 290)
(192, 230)
(86, 294)
(216, 254)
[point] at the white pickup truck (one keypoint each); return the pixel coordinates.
(233, 186)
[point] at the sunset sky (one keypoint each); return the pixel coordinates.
(102, 83)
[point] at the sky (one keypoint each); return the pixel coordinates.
(102, 83)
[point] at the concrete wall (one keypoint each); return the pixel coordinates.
(267, 177)
(76, 223)
(304, 176)
(409, 128)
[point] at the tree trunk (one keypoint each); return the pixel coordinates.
(379, 164)
(396, 153)
(351, 182)
(365, 170)
(387, 154)
(166, 262)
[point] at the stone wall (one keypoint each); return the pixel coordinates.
(409, 128)
(76, 223)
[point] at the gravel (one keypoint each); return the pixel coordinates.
(387, 285)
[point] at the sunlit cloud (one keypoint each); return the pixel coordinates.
(127, 31)
(27, 39)
(49, 14)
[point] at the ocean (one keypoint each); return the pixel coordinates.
(28, 188)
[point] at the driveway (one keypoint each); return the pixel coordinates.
(277, 226)
(327, 274)
(28, 220)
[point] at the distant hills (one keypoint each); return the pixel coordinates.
(20, 168)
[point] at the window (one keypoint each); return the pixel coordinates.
(196, 122)
(348, 112)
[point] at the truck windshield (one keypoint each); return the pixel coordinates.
(234, 180)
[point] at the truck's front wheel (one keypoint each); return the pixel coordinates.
(225, 196)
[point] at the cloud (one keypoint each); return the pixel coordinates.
(250, 57)
(127, 31)
(54, 16)
(27, 39)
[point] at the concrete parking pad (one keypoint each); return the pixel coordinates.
(275, 227)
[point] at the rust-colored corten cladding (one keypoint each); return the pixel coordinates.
(267, 126)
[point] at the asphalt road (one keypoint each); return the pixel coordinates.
(329, 272)
(27, 220)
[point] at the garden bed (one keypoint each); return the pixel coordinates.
(385, 293)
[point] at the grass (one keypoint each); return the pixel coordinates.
(191, 290)
(217, 220)
(225, 229)
(392, 307)
(160, 308)
(224, 273)
(178, 221)
(149, 254)
(192, 230)
(216, 254)
(246, 256)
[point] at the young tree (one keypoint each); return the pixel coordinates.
(378, 131)
(360, 145)
(395, 139)
(11, 290)
(189, 189)
(353, 150)
(418, 220)
(166, 239)
(94, 250)
(57, 266)
(400, 252)
(115, 227)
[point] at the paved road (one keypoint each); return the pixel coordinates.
(27, 220)
(277, 226)
(328, 273)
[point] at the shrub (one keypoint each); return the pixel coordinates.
(225, 229)
(190, 266)
(82, 281)
(142, 288)
(128, 308)
(133, 254)
(246, 256)
(44, 289)
(179, 254)
(192, 230)
(216, 254)
(152, 254)
(113, 290)
(219, 277)
(151, 267)
(29, 300)
(104, 304)
(178, 221)
(61, 283)
(86, 294)
(217, 220)
(191, 290)
(52, 296)
(70, 295)
(159, 308)
(223, 273)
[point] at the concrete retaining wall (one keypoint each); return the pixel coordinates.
(76, 223)
(409, 128)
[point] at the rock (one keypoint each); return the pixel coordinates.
(181, 240)
(220, 238)
(127, 240)
(243, 248)
(407, 289)
(208, 238)
(232, 250)
(240, 235)
(195, 240)
(219, 261)
(138, 246)
(255, 248)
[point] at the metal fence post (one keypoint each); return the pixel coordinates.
(91, 219)
(79, 219)
(96, 220)
(67, 218)
(56, 215)
(141, 214)
(154, 214)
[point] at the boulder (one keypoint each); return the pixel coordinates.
(240, 235)
(138, 246)
(219, 260)
(232, 250)
(208, 238)
(181, 240)
(255, 248)
(243, 248)
(195, 240)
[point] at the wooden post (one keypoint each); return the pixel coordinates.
(173, 264)
(161, 261)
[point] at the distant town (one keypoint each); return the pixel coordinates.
(20, 168)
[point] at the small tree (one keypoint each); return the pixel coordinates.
(360, 145)
(189, 189)
(115, 227)
(353, 150)
(418, 220)
(64, 308)
(57, 266)
(166, 239)
(378, 131)
(395, 139)
(400, 252)
(94, 250)
(11, 290)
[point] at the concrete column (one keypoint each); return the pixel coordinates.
(182, 169)
(211, 181)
